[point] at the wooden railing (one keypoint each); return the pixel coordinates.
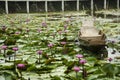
(62, 4)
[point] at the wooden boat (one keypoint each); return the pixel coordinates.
(90, 37)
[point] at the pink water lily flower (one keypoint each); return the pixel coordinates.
(83, 61)
(50, 45)
(44, 24)
(17, 32)
(39, 30)
(63, 43)
(79, 56)
(76, 69)
(110, 59)
(21, 66)
(39, 52)
(15, 48)
(4, 47)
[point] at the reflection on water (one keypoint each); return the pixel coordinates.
(76, 15)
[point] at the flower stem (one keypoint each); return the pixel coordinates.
(14, 57)
(5, 55)
(76, 75)
(84, 73)
(39, 58)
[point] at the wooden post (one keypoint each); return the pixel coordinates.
(63, 5)
(118, 3)
(92, 6)
(105, 4)
(77, 5)
(6, 7)
(27, 3)
(46, 6)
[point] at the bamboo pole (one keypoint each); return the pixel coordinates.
(77, 5)
(6, 7)
(27, 3)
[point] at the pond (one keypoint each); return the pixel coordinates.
(43, 47)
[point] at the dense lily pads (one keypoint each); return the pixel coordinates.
(30, 33)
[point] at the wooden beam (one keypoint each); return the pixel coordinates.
(6, 6)
(105, 1)
(118, 4)
(27, 4)
(77, 5)
(92, 7)
(62, 5)
(46, 5)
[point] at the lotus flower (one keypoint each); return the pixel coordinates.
(17, 32)
(4, 47)
(21, 66)
(27, 30)
(39, 30)
(39, 52)
(50, 45)
(60, 32)
(79, 56)
(15, 48)
(3, 28)
(83, 61)
(76, 69)
(44, 24)
(110, 59)
(84, 72)
(28, 20)
(65, 27)
(63, 43)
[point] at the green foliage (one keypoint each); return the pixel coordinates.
(55, 78)
(109, 69)
(29, 43)
(31, 68)
(7, 75)
(10, 41)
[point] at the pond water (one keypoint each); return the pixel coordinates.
(55, 35)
